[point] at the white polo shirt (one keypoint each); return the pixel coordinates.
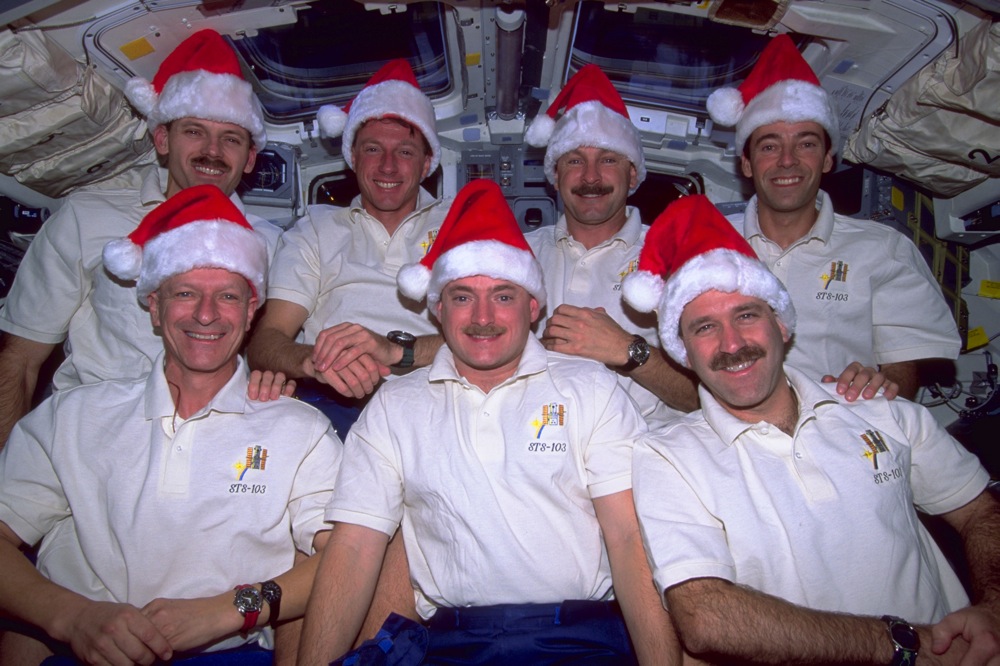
(593, 278)
(340, 264)
(135, 503)
(824, 519)
(494, 491)
(861, 290)
(62, 291)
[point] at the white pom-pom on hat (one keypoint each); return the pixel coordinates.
(331, 120)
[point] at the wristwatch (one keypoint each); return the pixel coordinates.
(271, 592)
(248, 602)
(406, 341)
(904, 637)
(638, 353)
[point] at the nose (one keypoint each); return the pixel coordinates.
(212, 145)
(787, 157)
(591, 172)
(482, 312)
(205, 311)
(388, 162)
(732, 339)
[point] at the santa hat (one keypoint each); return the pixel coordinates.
(593, 115)
(479, 236)
(201, 78)
(392, 92)
(781, 88)
(199, 227)
(690, 249)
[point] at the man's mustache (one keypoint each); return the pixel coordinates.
(211, 163)
(747, 354)
(587, 190)
(484, 331)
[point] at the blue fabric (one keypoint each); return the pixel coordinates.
(592, 633)
(400, 642)
(247, 655)
(341, 411)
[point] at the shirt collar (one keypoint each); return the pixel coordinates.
(630, 233)
(534, 359)
(729, 428)
(425, 200)
(821, 230)
(231, 398)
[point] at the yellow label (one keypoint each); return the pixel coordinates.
(977, 338)
(989, 289)
(472, 59)
(137, 48)
(897, 198)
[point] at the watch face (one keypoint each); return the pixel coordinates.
(401, 337)
(247, 600)
(905, 636)
(271, 591)
(638, 351)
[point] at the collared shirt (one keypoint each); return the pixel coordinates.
(494, 490)
(861, 290)
(340, 264)
(593, 278)
(135, 503)
(824, 518)
(62, 291)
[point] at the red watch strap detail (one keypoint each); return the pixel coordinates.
(250, 617)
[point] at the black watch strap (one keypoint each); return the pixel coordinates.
(271, 592)
(407, 341)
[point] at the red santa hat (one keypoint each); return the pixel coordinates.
(479, 236)
(782, 87)
(690, 249)
(199, 227)
(201, 78)
(392, 92)
(593, 115)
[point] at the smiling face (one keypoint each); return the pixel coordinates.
(486, 323)
(736, 346)
(203, 316)
(204, 152)
(594, 184)
(786, 162)
(390, 160)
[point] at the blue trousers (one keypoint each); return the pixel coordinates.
(591, 633)
(341, 411)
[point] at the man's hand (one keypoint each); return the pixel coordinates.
(857, 380)
(587, 332)
(110, 633)
(194, 623)
(977, 625)
(265, 386)
(352, 359)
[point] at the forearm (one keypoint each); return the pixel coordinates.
(342, 593)
(271, 349)
(906, 375)
(667, 381)
(727, 622)
(648, 622)
(393, 592)
(425, 348)
(30, 597)
(20, 363)
(982, 551)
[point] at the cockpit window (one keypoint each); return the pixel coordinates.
(662, 58)
(333, 49)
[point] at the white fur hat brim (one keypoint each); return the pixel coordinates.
(222, 98)
(209, 244)
(723, 270)
(489, 258)
(790, 101)
(397, 99)
(594, 125)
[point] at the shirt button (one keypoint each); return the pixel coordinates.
(765, 430)
(798, 455)
(180, 448)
